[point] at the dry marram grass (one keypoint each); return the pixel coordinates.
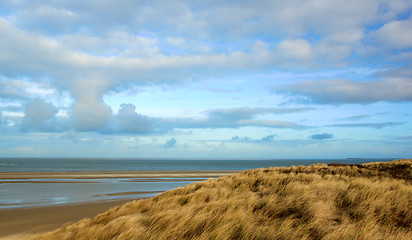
(368, 201)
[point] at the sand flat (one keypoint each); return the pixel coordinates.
(22, 221)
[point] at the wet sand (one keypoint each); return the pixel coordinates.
(16, 223)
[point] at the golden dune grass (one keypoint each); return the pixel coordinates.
(368, 201)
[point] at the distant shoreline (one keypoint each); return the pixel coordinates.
(73, 165)
(114, 174)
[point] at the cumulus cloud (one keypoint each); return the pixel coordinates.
(170, 143)
(89, 112)
(88, 77)
(131, 122)
(40, 116)
(246, 139)
(90, 115)
(321, 136)
(269, 138)
(350, 92)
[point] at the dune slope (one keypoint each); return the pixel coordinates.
(368, 201)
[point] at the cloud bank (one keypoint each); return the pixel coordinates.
(350, 92)
(236, 118)
(41, 116)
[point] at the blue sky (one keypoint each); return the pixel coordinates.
(206, 79)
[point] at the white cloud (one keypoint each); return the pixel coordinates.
(131, 122)
(297, 49)
(93, 115)
(395, 34)
(40, 116)
(338, 46)
(90, 116)
(348, 36)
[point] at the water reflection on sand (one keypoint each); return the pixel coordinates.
(32, 192)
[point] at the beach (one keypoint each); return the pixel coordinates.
(16, 222)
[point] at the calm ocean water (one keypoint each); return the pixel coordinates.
(31, 193)
(87, 164)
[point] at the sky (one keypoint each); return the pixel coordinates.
(206, 79)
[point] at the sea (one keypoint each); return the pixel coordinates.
(37, 192)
